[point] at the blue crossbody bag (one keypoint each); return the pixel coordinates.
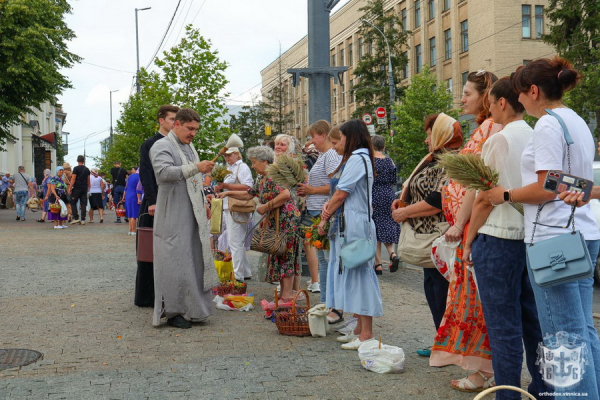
(564, 258)
(360, 251)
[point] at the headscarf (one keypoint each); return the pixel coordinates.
(59, 169)
(446, 134)
(47, 172)
(94, 172)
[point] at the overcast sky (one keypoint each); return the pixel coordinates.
(246, 33)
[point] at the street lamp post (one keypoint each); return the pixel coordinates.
(85, 140)
(111, 118)
(137, 48)
(390, 71)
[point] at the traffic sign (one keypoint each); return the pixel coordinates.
(371, 129)
(380, 112)
(367, 119)
(381, 121)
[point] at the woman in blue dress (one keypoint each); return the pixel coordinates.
(353, 290)
(133, 199)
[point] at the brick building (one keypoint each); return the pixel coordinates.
(453, 37)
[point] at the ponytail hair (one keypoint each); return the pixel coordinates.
(554, 77)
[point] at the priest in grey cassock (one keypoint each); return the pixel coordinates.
(184, 273)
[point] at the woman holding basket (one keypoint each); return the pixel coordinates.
(57, 189)
(275, 201)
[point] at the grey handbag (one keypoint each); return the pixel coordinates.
(564, 258)
(359, 251)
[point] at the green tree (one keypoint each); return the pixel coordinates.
(424, 96)
(275, 101)
(191, 75)
(372, 89)
(33, 48)
(575, 34)
(250, 123)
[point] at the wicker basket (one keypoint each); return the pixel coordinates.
(502, 387)
(54, 208)
(121, 210)
(293, 321)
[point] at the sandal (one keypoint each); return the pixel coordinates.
(378, 269)
(465, 384)
(40, 220)
(332, 320)
(395, 262)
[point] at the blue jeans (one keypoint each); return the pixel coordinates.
(568, 308)
(323, 257)
(505, 290)
(21, 201)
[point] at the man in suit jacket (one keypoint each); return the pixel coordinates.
(144, 284)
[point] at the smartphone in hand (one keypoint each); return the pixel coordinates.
(558, 182)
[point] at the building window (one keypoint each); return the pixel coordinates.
(342, 57)
(464, 35)
(418, 59)
(405, 66)
(333, 59)
(465, 76)
(343, 97)
(417, 13)
(350, 55)
(539, 21)
(526, 18)
(371, 48)
(431, 9)
(449, 85)
(351, 91)
(448, 44)
(334, 100)
(404, 20)
(360, 48)
(447, 5)
(432, 52)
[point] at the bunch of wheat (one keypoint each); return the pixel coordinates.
(219, 172)
(470, 171)
(287, 170)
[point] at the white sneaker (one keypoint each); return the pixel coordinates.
(314, 287)
(64, 226)
(355, 344)
(349, 323)
(75, 221)
(347, 337)
(58, 227)
(82, 222)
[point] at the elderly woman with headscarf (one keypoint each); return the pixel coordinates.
(273, 197)
(422, 194)
(57, 189)
(240, 179)
(45, 205)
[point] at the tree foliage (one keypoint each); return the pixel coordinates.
(191, 75)
(575, 34)
(33, 48)
(424, 96)
(250, 123)
(372, 89)
(275, 100)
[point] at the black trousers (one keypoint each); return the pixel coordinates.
(436, 291)
(81, 195)
(144, 280)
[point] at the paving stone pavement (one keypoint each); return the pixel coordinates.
(69, 294)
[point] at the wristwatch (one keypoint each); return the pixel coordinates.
(506, 196)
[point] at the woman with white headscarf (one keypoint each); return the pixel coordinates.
(45, 204)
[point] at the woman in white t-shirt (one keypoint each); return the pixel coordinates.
(564, 310)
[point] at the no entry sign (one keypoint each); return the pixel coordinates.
(380, 112)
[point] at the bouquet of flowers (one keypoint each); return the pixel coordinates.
(219, 172)
(311, 234)
(470, 171)
(287, 171)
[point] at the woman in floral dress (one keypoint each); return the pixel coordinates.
(272, 197)
(462, 337)
(57, 189)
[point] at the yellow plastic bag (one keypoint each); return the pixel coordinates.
(239, 301)
(216, 217)
(224, 270)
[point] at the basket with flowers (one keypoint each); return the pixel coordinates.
(311, 234)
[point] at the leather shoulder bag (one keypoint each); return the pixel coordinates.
(240, 206)
(357, 252)
(563, 258)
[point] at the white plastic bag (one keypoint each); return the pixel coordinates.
(63, 208)
(443, 255)
(317, 320)
(381, 358)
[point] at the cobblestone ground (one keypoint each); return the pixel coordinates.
(69, 294)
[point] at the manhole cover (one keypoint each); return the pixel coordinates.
(11, 358)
